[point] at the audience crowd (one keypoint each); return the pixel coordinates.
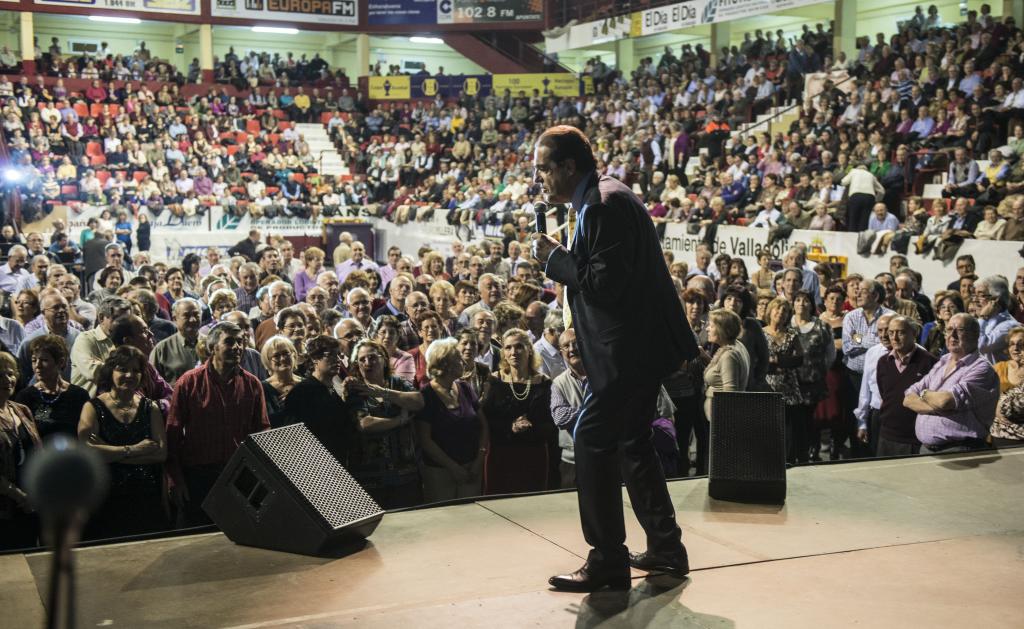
(448, 374)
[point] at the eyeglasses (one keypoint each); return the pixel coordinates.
(56, 309)
(956, 331)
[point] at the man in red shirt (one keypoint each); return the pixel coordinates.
(213, 408)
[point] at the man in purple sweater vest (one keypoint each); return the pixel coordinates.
(897, 370)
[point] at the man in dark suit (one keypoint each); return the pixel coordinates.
(631, 333)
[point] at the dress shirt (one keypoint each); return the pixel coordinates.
(349, 265)
(566, 400)
(90, 350)
(387, 273)
(246, 301)
(856, 325)
(551, 359)
(9, 279)
(209, 418)
(889, 223)
(992, 344)
(12, 333)
(975, 388)
(869, 398)
(173, 357)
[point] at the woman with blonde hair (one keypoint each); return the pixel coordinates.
(305, 279)
(442, 298)
(383, 455)
(281, 359)
(524, 450)
(451, 427)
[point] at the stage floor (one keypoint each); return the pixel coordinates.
(923, 542)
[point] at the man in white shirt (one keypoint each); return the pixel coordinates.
(869, 402)
(14, 271)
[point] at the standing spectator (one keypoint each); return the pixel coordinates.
(566, 400)
(56, 404)
(816, 338)
(897, 370)
(868, 400)
(123, 231)
(358, 262)
(280, 359)
(451, 427)
(177, 354)
(92, 346)
(517, 404)
(785, 356)
(933, 334)
(306, 278)
(729, 369)
(143, 234)
(956, 401)
(56, 320)
(214, 407)
(863, 190)
(860, 333)
(384, 458)
(992, 303)
(127, 430)
(19, 439)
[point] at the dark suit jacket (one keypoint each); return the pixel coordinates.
(629, 322)
(94, 256)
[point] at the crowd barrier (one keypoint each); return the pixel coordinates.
(172, 238)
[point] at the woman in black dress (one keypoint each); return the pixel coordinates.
(280, 359)
(56, 404)
(524, 454)
(127, 430)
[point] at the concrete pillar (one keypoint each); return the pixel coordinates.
(206, 52)
(721, 33)
(625, 56)
(362, 56)
(28, 47)
(844, 37)
(1016, 9)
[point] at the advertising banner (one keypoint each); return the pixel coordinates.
(664, 19)
(404, 12)
(390, 87)
(342, 12)
(180, 7)
(562, 84)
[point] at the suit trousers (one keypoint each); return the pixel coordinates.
(614, 444)
(858, 211)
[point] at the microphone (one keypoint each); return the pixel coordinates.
(540, 223)
(65, 482)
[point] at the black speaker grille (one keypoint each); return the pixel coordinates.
(748, 440)
(317, 475)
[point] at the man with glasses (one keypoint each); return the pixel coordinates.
(92, 347)
(359, 304)
(56, 320)
(82, 312)
(348, 332)
(281, 296)
(992, 305)
(956, 402)
(869, 401)
(566, 400)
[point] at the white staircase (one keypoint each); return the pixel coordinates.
(328, 160)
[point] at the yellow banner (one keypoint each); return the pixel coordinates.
(562, 84)
(390, 88)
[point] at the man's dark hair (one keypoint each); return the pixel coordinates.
(569, 143)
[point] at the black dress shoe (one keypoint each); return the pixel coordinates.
(672, 565)
(588, 579)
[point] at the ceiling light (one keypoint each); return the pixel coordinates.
(115, 20)
(275, 30)
(426, 40)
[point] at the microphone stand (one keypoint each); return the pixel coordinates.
(60, 609)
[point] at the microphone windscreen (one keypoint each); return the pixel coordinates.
(65, 477)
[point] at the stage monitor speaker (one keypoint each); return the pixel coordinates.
(283, 490)
(748, 448)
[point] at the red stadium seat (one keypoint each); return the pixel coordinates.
(69, 190)
(115, 109)
(139, 175)
(93, 148)
(271, 190)
(283, 124)
(279, 114)
(81, 109)
(95, 110)
(103, 175)
(252, 126)
(241, 137)
(232, 149)
(97, 160)
(325, 117)
(299, 177)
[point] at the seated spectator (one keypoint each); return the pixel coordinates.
(956, 401)
(991, 227)
(451, 428)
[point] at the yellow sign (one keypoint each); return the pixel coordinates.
(471, 86)
(390, 88)
(563, 84)
(636, 24)
(429, 87)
